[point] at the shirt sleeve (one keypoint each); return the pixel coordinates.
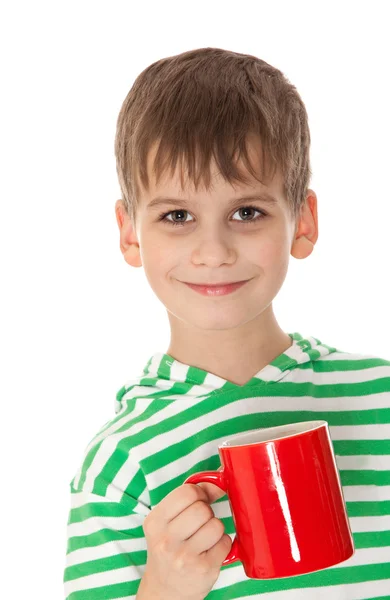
(109, 501)
(106, 547)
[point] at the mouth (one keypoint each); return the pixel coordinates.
(211, 285)
(216, 289)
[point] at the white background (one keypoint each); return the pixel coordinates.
(76, 320)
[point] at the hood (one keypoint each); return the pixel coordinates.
(166, 377)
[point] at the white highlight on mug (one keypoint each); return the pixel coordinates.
(275, 468)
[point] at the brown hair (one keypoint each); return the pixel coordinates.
(204, 103)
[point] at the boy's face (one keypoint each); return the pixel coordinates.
(213, 242)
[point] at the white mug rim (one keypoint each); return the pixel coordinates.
(304, 426)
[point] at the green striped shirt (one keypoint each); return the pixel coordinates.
(168, 424)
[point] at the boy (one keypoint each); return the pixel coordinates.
(232, 209)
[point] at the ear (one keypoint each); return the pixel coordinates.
(128, 238)
(306, 230)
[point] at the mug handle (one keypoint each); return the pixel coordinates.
(218, 479)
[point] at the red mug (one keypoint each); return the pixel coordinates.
(286, 500)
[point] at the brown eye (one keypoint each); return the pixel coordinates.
(164, 219)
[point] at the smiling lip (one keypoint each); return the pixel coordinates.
(216, 289)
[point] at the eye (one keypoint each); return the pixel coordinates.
(164, 219)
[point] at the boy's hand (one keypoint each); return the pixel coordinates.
(186, 544)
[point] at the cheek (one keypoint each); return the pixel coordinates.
(271, 252)
(156, 262)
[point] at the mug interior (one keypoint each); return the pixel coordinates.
(270, 434)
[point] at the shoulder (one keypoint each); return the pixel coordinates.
(109, 466)
(360, 359)
(355, 367)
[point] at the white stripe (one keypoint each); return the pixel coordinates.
(103, 550)
(319, 378)
(94, 524)
(366, 493)
(361, 524)
(111, 577)
(81, 498)
(361, 432)
(358, 462)
(154, 365)
(351, 356)
(366, 556)
(178, 371)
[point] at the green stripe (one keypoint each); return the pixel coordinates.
(367, 447)
(85, 466)
(107, 592)
(177, 388)
(368, 509)
(101, 565)
(196, 376)
(336, 366)
(135, 487)
(164, 368)
(365, 477)
(371, 539)
(99, 509)
(331, 577)
(101, 537)
(294, 389)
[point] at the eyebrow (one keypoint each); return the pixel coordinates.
(262, 196)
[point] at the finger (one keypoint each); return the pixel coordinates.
(176, 502)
